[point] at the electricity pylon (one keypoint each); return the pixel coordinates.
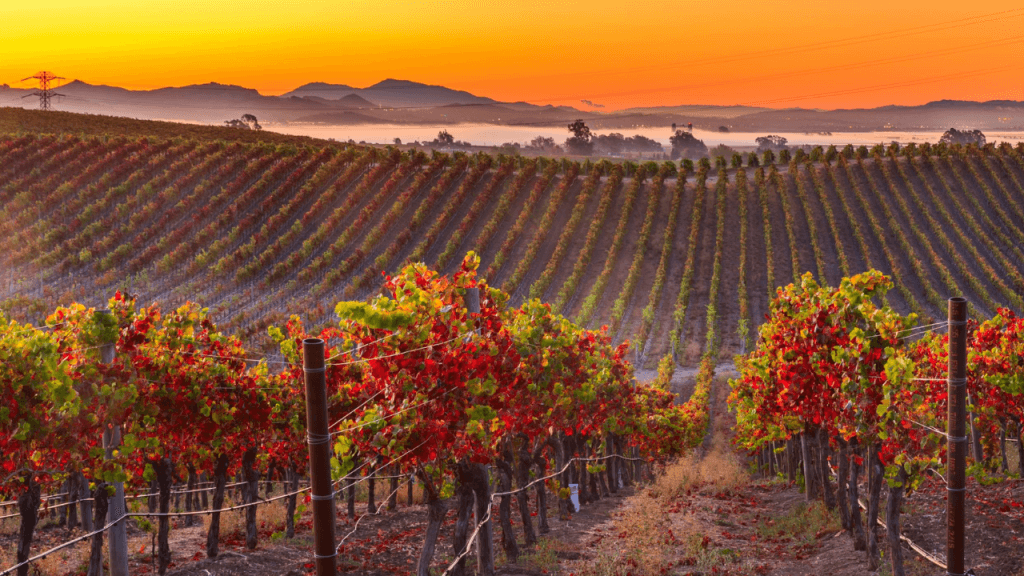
(45, 93)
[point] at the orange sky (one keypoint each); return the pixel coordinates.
(621, 54)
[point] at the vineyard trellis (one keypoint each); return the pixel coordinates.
(160, 357)
(831, 365)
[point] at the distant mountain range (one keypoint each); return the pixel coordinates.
(407, 102)
(391, 94)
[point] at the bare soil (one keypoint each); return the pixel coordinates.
(911, 279)
(550, 241)
(876, 257)
(578, 238)
(657, 344)
(782, 266)
(832, 273)
(449, 229)
(801, 231)
(757, 259)
(633, 315)
(994, 530)
(851, 248)
(402, 223)
(950, 260)
(494, 244)
(727, 330)
(693, 323)
(604, 243)
(536, 213)
(624, 258)
(318, 219)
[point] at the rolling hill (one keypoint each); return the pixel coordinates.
(260, 230)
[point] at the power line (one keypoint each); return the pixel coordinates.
(44, 93)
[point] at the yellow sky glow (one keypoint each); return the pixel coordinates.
(621, 54)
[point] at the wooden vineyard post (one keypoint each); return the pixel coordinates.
(485, 538)
(319, 442)
(956, 437)
(117, 537)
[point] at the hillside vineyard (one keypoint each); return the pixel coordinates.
(257, 231)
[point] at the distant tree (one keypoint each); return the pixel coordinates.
(910, 150)
(752, 159)
(687, 165)
(581, 130)
(613, 143)
(542, 143)
(247, 122)
(737, 160)
(508, 149)
(251, 121)
(673, 127)
(721, 150)
(769, 157)
(579, 142)
(704, 163)
(877, 149)
(954, 136)
(817, 153)
(444, 138)
(616, 143)
(770, 142)
(848, 152)
(398, 141)
(684, 144)
(862, 151)
(784, 156)
(720, 162)
(723, 128)
(799, 155)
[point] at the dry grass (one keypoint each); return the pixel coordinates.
(692, 351)
(544, 556)
(69, 560)
(803, 523)
(649, 540)
(9, 525)
(719, 470)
